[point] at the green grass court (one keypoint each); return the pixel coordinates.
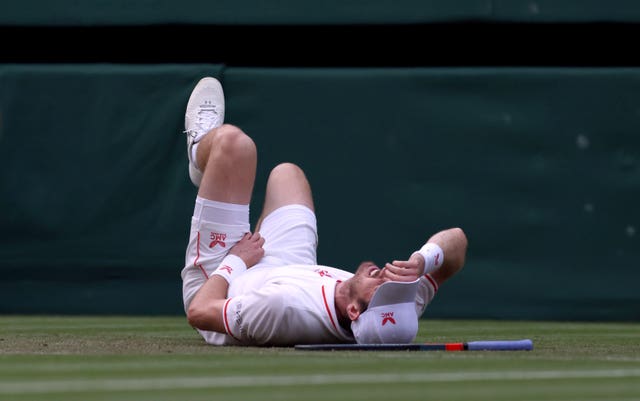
(161, 358)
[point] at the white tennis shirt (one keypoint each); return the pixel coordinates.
(282, 306)
(289, 305)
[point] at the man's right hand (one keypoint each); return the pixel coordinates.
(404, 270)
(249, 249)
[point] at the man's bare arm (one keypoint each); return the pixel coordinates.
(453, 243)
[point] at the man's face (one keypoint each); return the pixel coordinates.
(367, 278)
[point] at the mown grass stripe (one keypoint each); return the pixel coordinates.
(129, 384)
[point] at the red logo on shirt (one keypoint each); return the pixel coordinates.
(229, 269)
(324, 273)
(217, 239)
(387, 317)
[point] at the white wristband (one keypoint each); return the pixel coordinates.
(433, 257)
(231, 267)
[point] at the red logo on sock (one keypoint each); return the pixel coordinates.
(387, 317)
(217, 239)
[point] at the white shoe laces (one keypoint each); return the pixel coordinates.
(207, 119)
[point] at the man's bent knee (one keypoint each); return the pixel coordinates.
(287, 185)
(286, 171)
(229, 142)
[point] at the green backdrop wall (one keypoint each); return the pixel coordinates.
(296, 12)
(538, 165)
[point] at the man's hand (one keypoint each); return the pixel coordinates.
(404, 270)
(249, 249)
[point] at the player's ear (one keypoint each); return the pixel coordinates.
(353, 310)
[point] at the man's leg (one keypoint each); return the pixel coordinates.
(227, 158)
(288, 222)
(287, 185)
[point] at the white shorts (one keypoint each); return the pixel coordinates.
(291, 237)
(290, 234)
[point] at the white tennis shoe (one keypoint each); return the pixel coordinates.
(205, 111)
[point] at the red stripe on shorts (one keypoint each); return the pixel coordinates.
(195, 262)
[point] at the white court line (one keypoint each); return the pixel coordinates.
(64, 386)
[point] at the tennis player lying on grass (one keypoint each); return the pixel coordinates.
(265, 287)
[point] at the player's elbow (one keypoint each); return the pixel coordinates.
(197, 315)
(454, 242)
(462, 238)
(462, 244)
(206, 315)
